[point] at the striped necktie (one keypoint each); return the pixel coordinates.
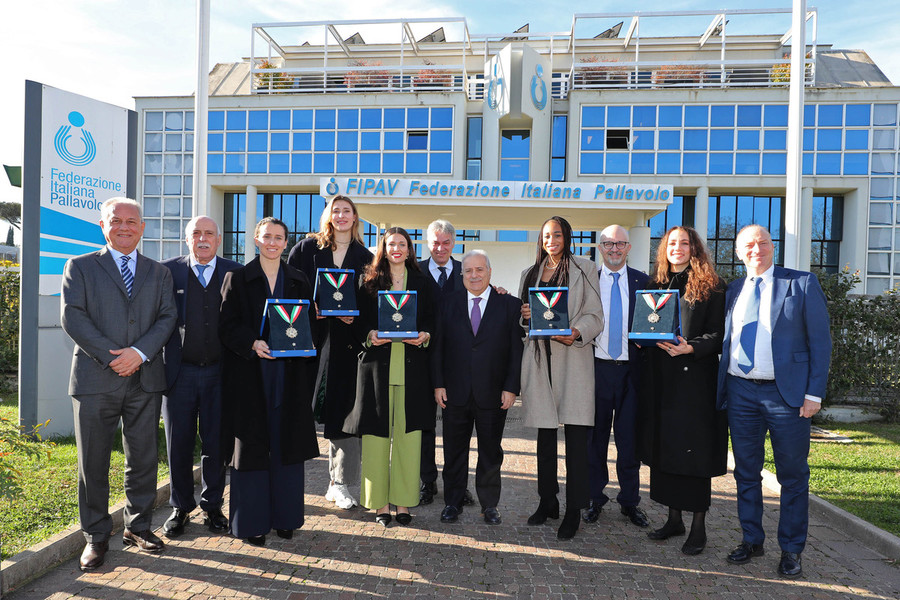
(127, 275)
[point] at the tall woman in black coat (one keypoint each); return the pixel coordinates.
(337, 245)
(266, 401)
(682, 437)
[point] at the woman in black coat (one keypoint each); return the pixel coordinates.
(266, 401)
(682, 437)
(337, 245)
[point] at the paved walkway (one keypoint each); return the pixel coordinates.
(344, 554)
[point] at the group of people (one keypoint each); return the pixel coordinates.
(188, 337)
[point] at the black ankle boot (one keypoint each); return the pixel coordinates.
(569, 525)
(696, 542)
(547, 509)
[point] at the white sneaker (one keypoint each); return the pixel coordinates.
(340, 495)
(329, 495)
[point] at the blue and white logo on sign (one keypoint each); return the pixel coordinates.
(495, 87)
(60, 142)
(536, 81)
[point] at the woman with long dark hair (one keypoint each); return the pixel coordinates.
(682, 437)
(558, 374)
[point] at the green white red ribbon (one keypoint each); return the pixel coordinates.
(551, 302)
(397, 304)
(655, 305)
(295, 312)
(336, 283)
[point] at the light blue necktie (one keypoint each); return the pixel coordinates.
(748, 331)
(200, 275)
(615, 319)
(127, 275)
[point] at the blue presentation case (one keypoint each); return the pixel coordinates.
(666, 329)
(324, 292)
(542, 326)
(281, 344)
(388, 325)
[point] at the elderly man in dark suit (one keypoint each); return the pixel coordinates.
(772, 377)
(194, 379)
(476, 366)
(617, 372)
(118, 308)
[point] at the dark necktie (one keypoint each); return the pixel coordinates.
(748, 331)
(476, 315)
(443, 278)
(127, 276)
(200, 275)
(615, 319)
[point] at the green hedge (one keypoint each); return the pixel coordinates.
(9, 320)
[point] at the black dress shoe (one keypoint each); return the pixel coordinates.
(93, 555)
(450, 514)
(284, 534)
(666, 531)
(569, 526)
(145, 541)
(592, 512)
(744, 552)
(216, 521)
(383, 519)
(256, 540)
(492, 516)
(403, 518)
(636, 516)
(545, 510)
(790, 566)
(427, 492)
(174, 525)
(693, 547)
(468, 500)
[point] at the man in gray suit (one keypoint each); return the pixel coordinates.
(119, 309)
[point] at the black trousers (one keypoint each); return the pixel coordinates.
(428, 467)
(576, 465)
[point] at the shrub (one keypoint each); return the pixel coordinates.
(14, 443)
(9, 320)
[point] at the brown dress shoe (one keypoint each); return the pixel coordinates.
(145, 541)
(93, 555)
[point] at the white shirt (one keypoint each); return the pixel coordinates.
(482, 305)
(763, 366)
(207, 273)
(434, 268)
(132, 266)
(601, 345)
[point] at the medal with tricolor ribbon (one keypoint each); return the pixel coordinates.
(548, 303)
(655, 305)
(397, 302)
(336, 284)
(289, 319)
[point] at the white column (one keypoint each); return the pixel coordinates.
(793, 240)
(200, 202)
(250, 219)
(639, 257)
(701, 211)
(805, 230)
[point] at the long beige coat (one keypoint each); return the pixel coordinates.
(570, 400)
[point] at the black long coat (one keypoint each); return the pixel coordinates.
(679, 429)
(370, 412)
(244, 294)
(338, 347)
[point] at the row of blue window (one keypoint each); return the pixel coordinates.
(328, 141)
(327, 163)
(730, 139)
(720, 163)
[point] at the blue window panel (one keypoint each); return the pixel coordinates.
(809, 139)
(668, 162)
(154, 121)
(234, 163)
(696, 116)
(257, 163)
(809, 115)
(642, 140)
(279, 163)
(346, 163)
(857, 115)
(670, 116)
(695, 139)
(302, 119)
(393, 140)
(236, 120)
(749, 115)
(189, 121)
(619, 116)
(214, 142)
(417, 118)
(259, 119)
(593, 116)
(258, 141)
(721, 116)
(775, 139)
(642, 163)
(514, 169)
(720, 139)
(370, 118)
(669, 140)
(746, 163)
(235, 142)
(394, 118)
(417, 141)
(301, 163)
(370, 140)
(323, 163)
(828, 164)
(694, 163)
(592, 139)
(558, 136)
(774, 163)
(748, 139)
(393, 162)
(214, 163)
(828, 139)
(617, 163)
(557, 169)
(592, 163)
(884, 114)
(348, 118)
(831, 115)
(348, 140)
(153, 163)
(776, 115)
(280, 119)
(370, 162)
(173, 142)
(417, 162)
(808, 160)
(856, 139)
(216, 120)
(280, 142)
(302, 141)
(644, 116)
(324, 141)
(441, 140)
(441, 117)
(325, 119)
(721, 163)
(440, 162)
(512, 236)
(856, 164)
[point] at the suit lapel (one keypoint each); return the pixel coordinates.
(141, 270)
(731, 294)
(780, 287)
(108, 264)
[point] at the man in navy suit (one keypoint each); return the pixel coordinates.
(772, 377)
(616, 369)
(193, 379)
(476, 367)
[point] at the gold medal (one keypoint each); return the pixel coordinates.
(653, 317)
(290, 332)
(337, 296)
(397, 317)
(548, 315)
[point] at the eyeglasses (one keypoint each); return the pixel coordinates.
(609, 245)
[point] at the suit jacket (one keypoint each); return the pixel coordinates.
(801, 339)
(454, 279)
(99, 316)
(180, 267)
(481, 365)
(636, 281)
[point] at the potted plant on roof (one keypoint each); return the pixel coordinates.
(430, 78)
(676, 74)
(607, 72)
(781, 73)
(271, 80)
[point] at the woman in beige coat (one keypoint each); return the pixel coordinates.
(558, 374)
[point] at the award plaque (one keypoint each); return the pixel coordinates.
(657, 317)
(397, 314)
(335, 292)
(289, 332)
(549, 311)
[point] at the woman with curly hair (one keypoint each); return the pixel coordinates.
(682, 437)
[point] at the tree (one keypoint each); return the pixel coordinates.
(11, 212)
